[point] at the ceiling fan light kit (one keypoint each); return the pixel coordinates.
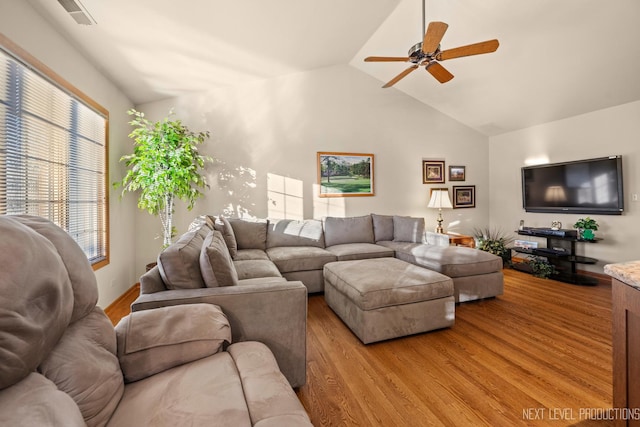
(427, 53)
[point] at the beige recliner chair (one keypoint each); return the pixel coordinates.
(63, 364)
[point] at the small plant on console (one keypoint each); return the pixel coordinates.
(541, 267)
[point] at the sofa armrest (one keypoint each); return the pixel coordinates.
(273, 313)
(153, 341)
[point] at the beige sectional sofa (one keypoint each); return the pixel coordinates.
(273, 264)
(62, 363)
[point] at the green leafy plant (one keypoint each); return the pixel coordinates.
(494, 241)
(586, 227)
(165, 166)
(541, 267)
(586, 224)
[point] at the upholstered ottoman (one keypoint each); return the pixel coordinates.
(385, 298)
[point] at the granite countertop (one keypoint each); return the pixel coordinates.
(628, 272)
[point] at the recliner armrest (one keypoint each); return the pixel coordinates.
(272, 313)
(153, 341)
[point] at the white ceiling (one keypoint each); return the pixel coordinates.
(557, 58)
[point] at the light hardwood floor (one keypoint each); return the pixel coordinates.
(539, 355)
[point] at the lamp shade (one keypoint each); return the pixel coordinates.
(440, 199)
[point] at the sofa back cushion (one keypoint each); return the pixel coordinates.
(215, 262)
(408, 229)
(85, 366)
(355, 229)
(250, 234)
(288, 232)
(179, 263)
(382, 227)
(36, 300)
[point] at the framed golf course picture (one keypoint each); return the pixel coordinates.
(345, 174)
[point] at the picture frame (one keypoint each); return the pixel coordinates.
(457, 173)
(433, 171)
(345, 174)
(464, 196)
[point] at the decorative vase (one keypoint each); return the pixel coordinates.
(587, 234)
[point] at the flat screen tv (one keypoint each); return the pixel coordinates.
(592, 186)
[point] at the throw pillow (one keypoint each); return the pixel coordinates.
(408, 229)
(179, 263)
(215, 262)
(227, 233)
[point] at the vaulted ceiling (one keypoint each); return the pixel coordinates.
(556, 59)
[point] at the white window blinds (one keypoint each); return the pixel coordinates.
(53, 155)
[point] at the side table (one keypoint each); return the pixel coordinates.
(461, 240)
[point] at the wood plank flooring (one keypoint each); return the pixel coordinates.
(538, 355)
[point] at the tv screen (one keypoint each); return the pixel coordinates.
(592, 186)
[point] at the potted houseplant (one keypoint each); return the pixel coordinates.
(541, 267)
(165, 166)
(586, 227)
(494, 241)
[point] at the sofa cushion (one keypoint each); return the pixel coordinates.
(250, 234)
(382, 227)
(152, 341)
(227, 233)
(356, 229)
(179, 263)
(251, 269)
(207, 391)
(299, 258)
(349, 251)
(215, 262)
(288, 232)
(453, 261)
(408, 229)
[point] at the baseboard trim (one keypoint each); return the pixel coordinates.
(120, 307)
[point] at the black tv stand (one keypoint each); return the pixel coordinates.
(561, 253)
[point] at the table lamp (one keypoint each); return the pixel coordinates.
(440, 199)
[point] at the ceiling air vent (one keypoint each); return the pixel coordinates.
(77, 11)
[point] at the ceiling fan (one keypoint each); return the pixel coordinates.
(427, 53)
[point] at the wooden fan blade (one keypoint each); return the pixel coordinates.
(386, 59)
(468, 50)
(400, 76)
(433, 36)
(439, 72)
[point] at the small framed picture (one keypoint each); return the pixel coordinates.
(457, 173)
(433, 171)
(464, 196)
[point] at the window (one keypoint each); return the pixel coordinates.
(53, 151)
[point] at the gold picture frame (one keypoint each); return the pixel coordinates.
(345, 174)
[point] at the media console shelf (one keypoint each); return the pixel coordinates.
(561, 253)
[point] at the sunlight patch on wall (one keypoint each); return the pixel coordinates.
(327, 206)
(285, 197)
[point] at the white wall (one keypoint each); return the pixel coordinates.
(611, 131)
(25, 27)
(265, 137)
